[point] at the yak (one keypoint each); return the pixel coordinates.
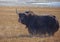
(39, 24)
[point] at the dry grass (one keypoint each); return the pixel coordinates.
(10, 28)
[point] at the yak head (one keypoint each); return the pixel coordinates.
(23, 17)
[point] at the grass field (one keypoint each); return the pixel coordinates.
(11, 29)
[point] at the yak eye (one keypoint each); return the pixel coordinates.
(21, 16)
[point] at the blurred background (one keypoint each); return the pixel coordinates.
(41, 3)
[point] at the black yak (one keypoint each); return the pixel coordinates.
(39, 24)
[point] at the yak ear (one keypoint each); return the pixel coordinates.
(54, 16)
(17, 12)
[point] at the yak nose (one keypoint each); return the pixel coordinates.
(19, 20)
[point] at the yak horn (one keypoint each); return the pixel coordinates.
(17, 11)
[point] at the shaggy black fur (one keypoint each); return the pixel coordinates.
(39, 24)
